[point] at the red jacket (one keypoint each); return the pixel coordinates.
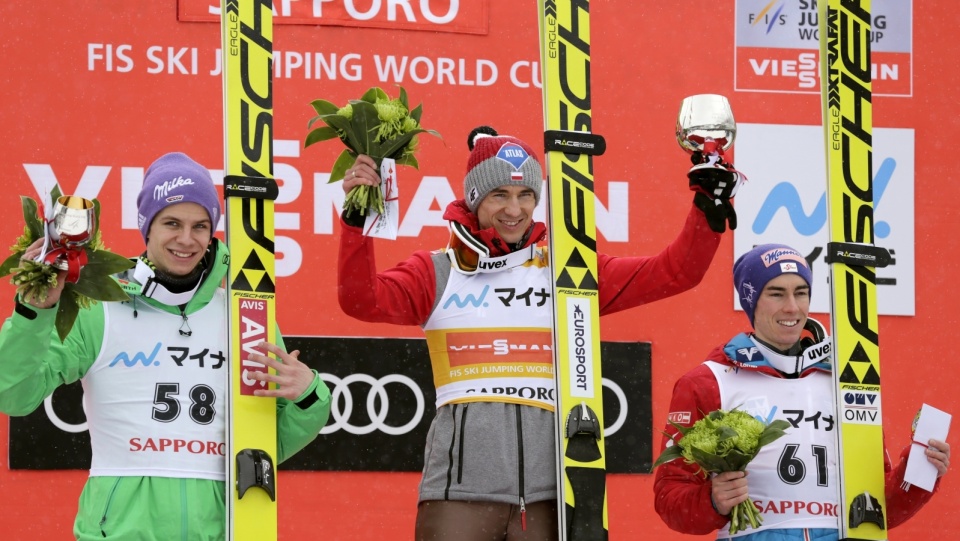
(404, 294)
(678, 486)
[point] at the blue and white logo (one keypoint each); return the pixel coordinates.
(513, 154)
(784, 201)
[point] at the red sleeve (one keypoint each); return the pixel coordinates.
(681, 496)
(902, 504)
(626, 282)
(403, 295)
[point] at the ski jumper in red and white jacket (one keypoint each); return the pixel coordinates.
(493, 436)
(796, 503)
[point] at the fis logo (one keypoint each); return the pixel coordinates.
(771, 15)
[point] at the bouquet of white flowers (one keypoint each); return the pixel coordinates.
(376, 125)
(725, 441)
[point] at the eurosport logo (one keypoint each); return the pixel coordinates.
(377, 402)
(786, 202)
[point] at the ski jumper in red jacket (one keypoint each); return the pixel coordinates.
(780, 371)
(492, 439)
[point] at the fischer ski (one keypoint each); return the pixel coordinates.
(250, 190)
(569, 150)
(846, 91)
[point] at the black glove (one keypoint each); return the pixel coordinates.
(715, 183)
(353, 218)
(717, 211)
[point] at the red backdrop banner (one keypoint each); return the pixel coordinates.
(97, 90)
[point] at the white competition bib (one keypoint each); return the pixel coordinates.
(800, 468)
(491, 334)
(154, 398)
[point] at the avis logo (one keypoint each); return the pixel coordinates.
(784, 195)
(476, 302)
(138, 358)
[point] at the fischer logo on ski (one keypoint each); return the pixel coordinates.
(847, 118)
(250, 190)
(569, 147)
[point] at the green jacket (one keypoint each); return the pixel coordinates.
(33, 363)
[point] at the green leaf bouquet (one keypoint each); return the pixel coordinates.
(725, 441)
(376, 125)
(35, 279)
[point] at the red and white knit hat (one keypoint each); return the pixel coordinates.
(498, 160)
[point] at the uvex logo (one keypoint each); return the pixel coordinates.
(817, 351)
(492, 264)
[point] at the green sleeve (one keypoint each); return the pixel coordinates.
(33, 361)
(296, 426)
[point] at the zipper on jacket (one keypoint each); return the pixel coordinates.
(523, 508)
(463, 431)
(106, 508)
(453, 441)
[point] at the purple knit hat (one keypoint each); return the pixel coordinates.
(176, 178)
(498, 160)
(755, 268)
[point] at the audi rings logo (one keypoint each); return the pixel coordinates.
(622, 414)
(378, 404)
(60, 423)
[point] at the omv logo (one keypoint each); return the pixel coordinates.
(139, 357)
(784, 195)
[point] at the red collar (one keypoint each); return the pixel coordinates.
(458, 211)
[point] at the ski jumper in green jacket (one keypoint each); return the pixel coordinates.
(154, 379)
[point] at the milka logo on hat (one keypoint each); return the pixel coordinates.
(513, 154)
(160, 191)
(778, 255)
